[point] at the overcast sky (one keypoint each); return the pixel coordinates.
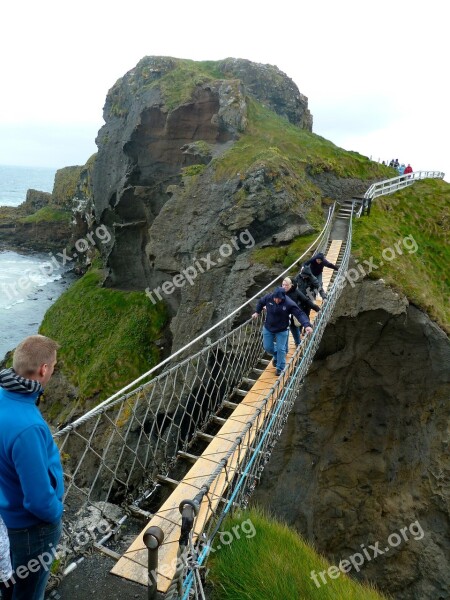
(375, 73)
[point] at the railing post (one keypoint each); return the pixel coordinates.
(153, 538)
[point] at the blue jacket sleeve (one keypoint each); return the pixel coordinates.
(261, 303)
(37, 463)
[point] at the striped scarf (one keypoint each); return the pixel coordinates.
(9, 380)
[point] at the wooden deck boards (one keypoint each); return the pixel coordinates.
(134, 563)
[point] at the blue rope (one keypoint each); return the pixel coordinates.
(206, 548)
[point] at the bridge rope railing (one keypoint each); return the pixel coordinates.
(389, 186)
(242, 467)
(114, 455)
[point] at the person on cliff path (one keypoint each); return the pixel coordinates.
(317, 264)
(275, 331)
(31, 475)
(302, 301)
(408, 169)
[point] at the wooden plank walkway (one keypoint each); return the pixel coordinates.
(332, 256)
(133, 564)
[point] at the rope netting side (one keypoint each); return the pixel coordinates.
(235, 478)
(112, 459)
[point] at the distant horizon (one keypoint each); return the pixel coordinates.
(46, 168)
(51, 168)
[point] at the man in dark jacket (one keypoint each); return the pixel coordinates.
(31, 475)
(276, 327)
(317, 264)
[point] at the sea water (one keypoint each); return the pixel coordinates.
(26, 290)
(15, 181)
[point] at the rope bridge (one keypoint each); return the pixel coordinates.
(219, 407)
(119, 457)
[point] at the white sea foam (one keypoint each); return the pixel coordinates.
(26, 292)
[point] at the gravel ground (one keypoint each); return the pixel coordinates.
(92, 579)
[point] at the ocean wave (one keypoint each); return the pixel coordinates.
(9, 306)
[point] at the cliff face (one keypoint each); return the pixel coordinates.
(158, 188)
(365, 450)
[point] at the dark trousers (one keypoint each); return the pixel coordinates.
(6, 590)
(33, 551)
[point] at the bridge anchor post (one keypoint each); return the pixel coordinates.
(153, 538)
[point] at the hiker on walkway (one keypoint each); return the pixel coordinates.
(317, 264)
(408, 169)
(307, 283)
(302, 301)
(276, 327)
(31, 476)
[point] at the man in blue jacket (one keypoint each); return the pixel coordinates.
(275, 332)
(31, 476)
(316, 265)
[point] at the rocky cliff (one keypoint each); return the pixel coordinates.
(365, 450)
(183, 171)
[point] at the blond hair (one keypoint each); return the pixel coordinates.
(33, 352)
(288, 279)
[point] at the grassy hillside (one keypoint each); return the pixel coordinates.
(407, 234)
(106, 336)
(292, 152)
(262, 559)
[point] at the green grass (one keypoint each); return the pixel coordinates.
(178, 85)
(269, 561)
(416, 216)
(283, 255)
(272, 140)
(106, 336)
(48, 214)
(193, 170)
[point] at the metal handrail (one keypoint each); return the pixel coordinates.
(388, 186)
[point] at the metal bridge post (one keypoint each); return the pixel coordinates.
(153, 538)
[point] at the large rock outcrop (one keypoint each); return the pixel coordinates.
(365, 450)
(157, 187)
